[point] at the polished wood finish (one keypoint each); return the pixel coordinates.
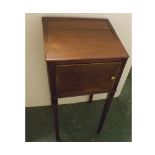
(106, 107)
(109, 98)
(56, 23)
(84, 57)
(86, 78)
(51, 68)
(75, 39)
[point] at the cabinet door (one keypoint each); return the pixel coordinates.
(83, 79)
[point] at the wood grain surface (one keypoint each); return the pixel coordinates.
(76, 39)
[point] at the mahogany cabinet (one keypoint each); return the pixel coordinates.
(84, 56)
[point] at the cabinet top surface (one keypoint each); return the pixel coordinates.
(80, 39)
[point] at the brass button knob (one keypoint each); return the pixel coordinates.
(113, 78)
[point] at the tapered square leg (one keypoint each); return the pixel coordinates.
(106, 108)
(90, 98)
(55, 116)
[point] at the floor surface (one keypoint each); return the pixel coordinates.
(78, 122)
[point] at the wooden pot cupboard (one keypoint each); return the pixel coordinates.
(84, 56)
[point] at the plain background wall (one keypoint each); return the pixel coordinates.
(37, 90)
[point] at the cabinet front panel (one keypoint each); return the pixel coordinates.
(83, 79)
